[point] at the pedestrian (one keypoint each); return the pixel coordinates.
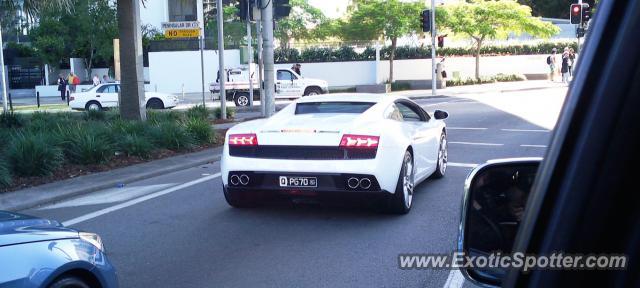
(296, 68)
(62, 86)
(551, 61)
(572, 60)
(105, 79)
(71, 82)
(96, 80)
(565, 66)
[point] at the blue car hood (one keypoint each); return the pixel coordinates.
(18, 228)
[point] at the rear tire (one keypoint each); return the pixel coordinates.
(402, 200)
(69, 282)
(240, 200)
(312, 91)
(441, 168)
(241, 99)
(155, 103)
(93, 105)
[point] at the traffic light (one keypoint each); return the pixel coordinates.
(281, 9)
(579, 32)
(586, 13)
(576, 14)
(425, 19)
(242, 13)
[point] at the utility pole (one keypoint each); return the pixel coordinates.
(221, 71)
(267, 55)
(250, 52)
(132, 103)
(5, 106)
(260, 67)
(201, 40)
(433, 48)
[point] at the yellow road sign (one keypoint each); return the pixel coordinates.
(182, 33)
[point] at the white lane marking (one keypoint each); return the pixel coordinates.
(464, 128)
(132, 202)
(527, 130)
(455, 279)
(476, 143)
(536, 146)
(111, 195)
(467, 165)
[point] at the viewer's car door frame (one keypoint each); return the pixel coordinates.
(579, 192)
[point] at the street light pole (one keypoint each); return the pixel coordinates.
(5, 108)
(267, 55)
(433, 48)
(221, 71)
(250, 52)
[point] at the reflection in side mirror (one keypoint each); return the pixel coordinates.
(439, 114)
(493, 205)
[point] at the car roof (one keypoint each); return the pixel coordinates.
(351, 97)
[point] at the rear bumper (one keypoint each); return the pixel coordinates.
(327, 183)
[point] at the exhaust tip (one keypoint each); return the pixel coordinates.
(244, 179)
(353, 182)
(234, 179)
(365, 183)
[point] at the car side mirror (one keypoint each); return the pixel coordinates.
(493, 204)
(440, 115)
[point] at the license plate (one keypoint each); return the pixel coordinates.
(297, 182)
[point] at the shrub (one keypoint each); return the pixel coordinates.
(34, 155)
(135, 145)
(5, 174)
(96, 115)
(84, 144)
(112, 115)
(509, 77)
(198, 111)
(200, 130)
(172, 136)
(156, 117)
(121, 127)
(347, 53)
(11, 120)
(231, 112)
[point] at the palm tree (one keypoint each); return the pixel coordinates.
(33, 8)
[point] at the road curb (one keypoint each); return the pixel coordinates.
(23, 203)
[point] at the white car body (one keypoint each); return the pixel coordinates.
(297, 135)
(106, 96)
(289, 85)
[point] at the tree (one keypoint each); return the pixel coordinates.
(380, 19)
(488, 19)
(87, 32)
(300, 24)
(235, 30)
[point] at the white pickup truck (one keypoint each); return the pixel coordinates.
(289, 85)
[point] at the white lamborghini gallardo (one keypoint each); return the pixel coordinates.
(367, 144)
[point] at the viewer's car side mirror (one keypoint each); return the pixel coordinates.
(440, 115)
(493, 204)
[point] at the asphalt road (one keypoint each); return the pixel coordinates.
(176, 230)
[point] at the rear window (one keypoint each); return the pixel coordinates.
(333, 107)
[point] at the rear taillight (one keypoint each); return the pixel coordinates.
(71, 98)
(243, 140)
(359, 141)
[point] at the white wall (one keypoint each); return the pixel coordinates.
(339, 73)
(168, 71)
(420, 69)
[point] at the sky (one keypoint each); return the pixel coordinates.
(331, 8)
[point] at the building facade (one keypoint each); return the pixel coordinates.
(157, 11)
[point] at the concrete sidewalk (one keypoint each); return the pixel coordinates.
(34, 196)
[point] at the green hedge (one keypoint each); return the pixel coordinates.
(345, 53)
(40, 143)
